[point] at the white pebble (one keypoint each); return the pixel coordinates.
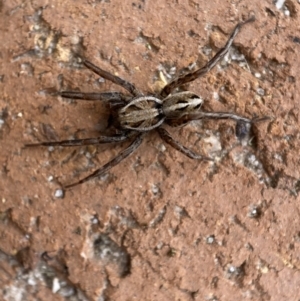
(59, 193)
(287, 12)
(216, 95)
(279, 4)
(50, 178)
(257, 75)
(55, 285)
(260, 91)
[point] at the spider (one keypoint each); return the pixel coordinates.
(133, 116)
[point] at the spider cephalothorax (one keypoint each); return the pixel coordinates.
(135, 115)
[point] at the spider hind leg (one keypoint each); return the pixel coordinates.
(104, 96)
(82, 142)
(115, 161)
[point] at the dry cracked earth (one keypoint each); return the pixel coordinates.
(159, 226)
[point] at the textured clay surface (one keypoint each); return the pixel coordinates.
(159, 226)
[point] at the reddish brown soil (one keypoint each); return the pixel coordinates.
(159, 226)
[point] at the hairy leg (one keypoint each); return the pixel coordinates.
(200, 72)
(113, 78)
(115, 161)
(178, 146)
(81, 142)
(105, 96)
(217, 115)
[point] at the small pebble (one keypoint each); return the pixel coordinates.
(55, 285)
(257, 75)
(279, 4)
(59, 193)
(50, 178)
(210, 239)
(287, 12)
(260, 91)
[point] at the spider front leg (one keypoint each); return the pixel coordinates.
(113, 78)
(210, 64)
(178, 146)
(115, 161)
(218, 115)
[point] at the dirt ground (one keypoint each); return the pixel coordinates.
(159, 226)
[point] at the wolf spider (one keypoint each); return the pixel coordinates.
(133, 116)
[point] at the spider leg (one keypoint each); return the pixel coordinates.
(171, 141)
(106, 167)
(219, 115)
(81, 142)
(209, 65)
(105, 96)
(113, 78)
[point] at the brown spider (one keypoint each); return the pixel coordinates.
(134, 115)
